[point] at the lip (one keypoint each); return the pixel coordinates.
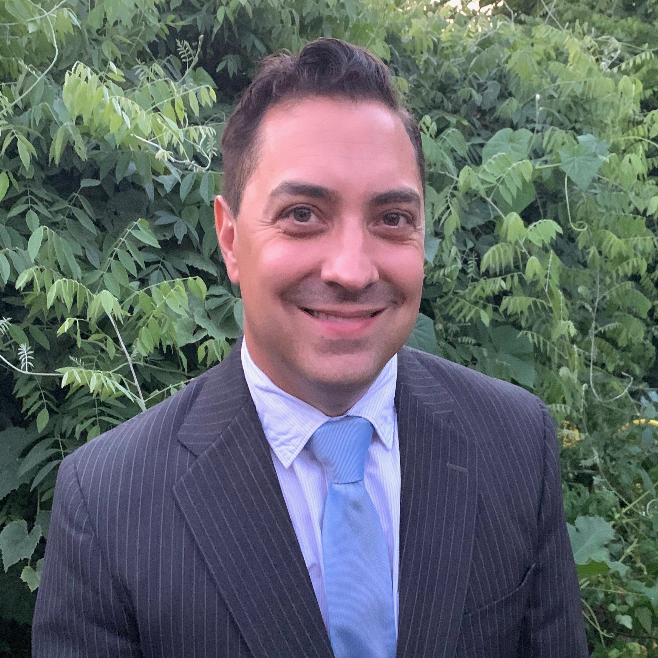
(343, 322)
(342, 313)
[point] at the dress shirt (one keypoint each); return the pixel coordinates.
(288, 424)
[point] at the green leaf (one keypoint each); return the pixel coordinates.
(581, 161)
(146, 237)
(18, 334)
(58, 144)
(194, 103)
(197, 287)
(34, 243)
(543, 232)
(186, 185)
(37, 454)
(43, 520)
(513, 228)
(12, 443)
(533, 269)
(513, 142)
(238, 313)
(4, 184)
(589, 536)
(24, 153)
(207, 187)
(119, 272)
(592, 569)
(431, 247)
(645, 618)
(16, 543)
(39, 336)
(625, 620)
(111, 283)
(127, 261)
(652, 206)
(423, 336)
(32, 220)
(39, 477)
(42, 419)
(107, 301)
(5, 269)
(32, 577)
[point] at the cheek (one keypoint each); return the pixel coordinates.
(283, 262)
(267, 270)
(406, 271)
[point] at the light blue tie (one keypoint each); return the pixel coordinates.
(357, 572)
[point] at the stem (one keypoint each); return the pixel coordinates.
(593, 335)
(142, 404)
(566, 194)
(28, 372)
(591, 618)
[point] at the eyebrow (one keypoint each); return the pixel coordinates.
(296, 188)
(396, 196)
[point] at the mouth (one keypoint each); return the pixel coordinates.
(342, 316)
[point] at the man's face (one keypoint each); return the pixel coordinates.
(328, 247)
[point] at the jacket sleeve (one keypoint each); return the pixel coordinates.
(80, 611)
(554, 625)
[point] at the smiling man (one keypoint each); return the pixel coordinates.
(325, 490)
(327, 246)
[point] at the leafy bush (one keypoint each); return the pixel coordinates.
(541, 242)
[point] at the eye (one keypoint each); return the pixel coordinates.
(301, 221)
(301, 214)
(397, 220)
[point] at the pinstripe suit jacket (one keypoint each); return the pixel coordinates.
(170, 536)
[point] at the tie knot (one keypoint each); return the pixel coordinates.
(341, 447)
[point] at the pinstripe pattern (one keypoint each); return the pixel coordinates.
(170, 536)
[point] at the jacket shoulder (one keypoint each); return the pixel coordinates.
(459, 379)
(153, 433)
(497, 415)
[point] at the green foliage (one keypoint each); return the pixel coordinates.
(589, 537)
(541, 238)
(16, 543)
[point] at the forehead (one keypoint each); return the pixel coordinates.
(350, 147)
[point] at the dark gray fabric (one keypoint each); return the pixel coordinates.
(170, 536)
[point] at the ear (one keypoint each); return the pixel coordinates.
(225, 227)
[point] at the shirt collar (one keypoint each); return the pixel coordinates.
(289, 423)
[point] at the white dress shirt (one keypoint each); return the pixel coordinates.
(288, 424)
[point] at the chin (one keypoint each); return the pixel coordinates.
(347, 371)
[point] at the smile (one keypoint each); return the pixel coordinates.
(343, 316)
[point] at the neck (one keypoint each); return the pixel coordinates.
(332, 399)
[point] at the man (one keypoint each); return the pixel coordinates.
(217, 524)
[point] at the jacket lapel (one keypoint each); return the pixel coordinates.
(437, 514)
(232, 502)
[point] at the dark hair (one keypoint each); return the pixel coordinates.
(324, 67)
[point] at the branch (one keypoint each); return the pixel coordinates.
(142, 404)
(28, 372)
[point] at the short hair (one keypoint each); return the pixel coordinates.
(324, 67)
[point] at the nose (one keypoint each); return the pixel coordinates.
(349, 259)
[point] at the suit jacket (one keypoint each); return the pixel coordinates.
(170, 537)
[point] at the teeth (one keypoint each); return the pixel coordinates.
(338, 318)
(333, 318)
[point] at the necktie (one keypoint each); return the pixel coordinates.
(357, 573)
